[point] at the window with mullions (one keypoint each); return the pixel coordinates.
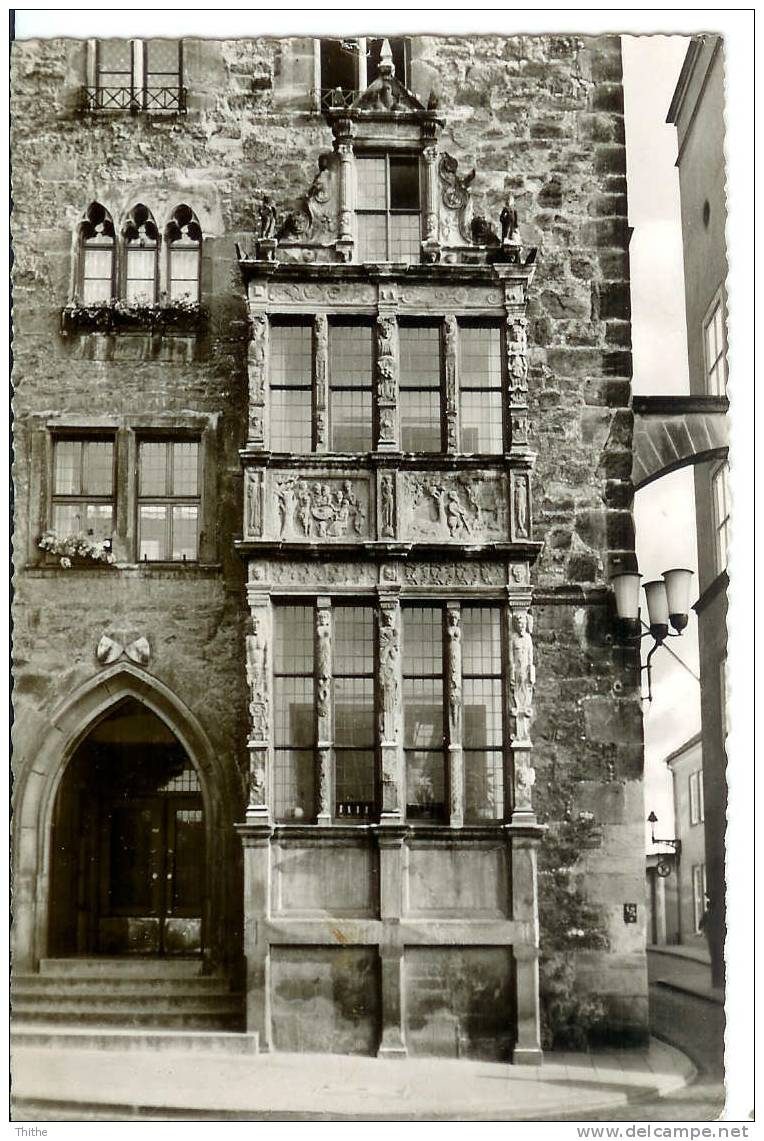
(420, 388)
(168, 500)
(480, 402)
(351, 365)
(114, 74)
(294, 714)
(353, 669)
(291, 380)
(163, 72)
(423, 740)
(137, 75)
(482, 705)
(83, 487)
(721, 504)
(697, 814)
(388, 210)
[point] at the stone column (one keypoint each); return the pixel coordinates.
(392, 870)
(320, 383)
(257, 878)
(324, 710)
(387, 383)
(430, 238)
(257, 355)
(527, 1049)
(454, 720)
(258, 679)
(390, 710)
(450, 360)
(347, 168)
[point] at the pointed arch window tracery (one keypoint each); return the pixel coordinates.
(141, 256)
(97, 246)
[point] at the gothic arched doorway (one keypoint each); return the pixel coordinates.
(128, 862)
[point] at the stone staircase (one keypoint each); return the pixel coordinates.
(125, 1003)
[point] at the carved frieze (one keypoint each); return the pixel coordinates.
(329, 508)
(256, 370)
(309, 573)
(451, 296)
(455, 574)
(458, 508)
(253, 504)
(322, 293)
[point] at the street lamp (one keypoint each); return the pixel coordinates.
(652, 820)
(668, 603)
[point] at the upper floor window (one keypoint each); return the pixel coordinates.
(135, 75)
(291, 364)
(294, 732)
(169, 497)
(696, 797)
(349, 66)
(83, 486)
(699, 894)
(420, 388)
(721, 506)
(353, 675)
(351, 362)
(388, 210)
(480, 396)
(97, 263)
(715, 348)
(183, 236)
(483, 701)
(141, 244)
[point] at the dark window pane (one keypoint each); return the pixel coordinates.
(404, 184)
(483, 785)
(354, 711)
(374, 51)
(294, 785)
(293, 639)
(353, 640)
(338, 66)
(425, 785)
(355, 792)
(188, 880)
(423, 642)
(351, 362)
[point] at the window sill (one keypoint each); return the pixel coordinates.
(152, 320)
(142, 569)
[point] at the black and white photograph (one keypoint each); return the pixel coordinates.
(380, 448)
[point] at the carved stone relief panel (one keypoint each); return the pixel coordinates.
(517, 355)
(308, 572)
(454, 574)
(386, 498)
(524, 780)
(458, 508)
(327, 508)
(521, 506)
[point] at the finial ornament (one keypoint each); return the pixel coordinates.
(386, 65)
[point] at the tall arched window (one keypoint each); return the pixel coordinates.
(141, 242)
(96, 261)
(183, 236)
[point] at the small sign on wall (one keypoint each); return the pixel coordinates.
(630, 913)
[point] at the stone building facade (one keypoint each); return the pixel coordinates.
(322, 462)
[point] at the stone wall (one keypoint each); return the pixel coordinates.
(539, 117)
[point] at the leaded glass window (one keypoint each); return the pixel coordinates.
(420, 388)
(388, 210)
(294, 713)
(351, 361)
(354, 729)
(480, 403)
(482, 706)
(291, 373)
(183, 235)
(423, 724)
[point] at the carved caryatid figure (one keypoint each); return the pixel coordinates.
(323, 654)
(454, 633)
(389, 654)
(257, 654)
(522, 674)
(521, 508)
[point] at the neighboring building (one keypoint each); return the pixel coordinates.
(686, 765)
(662, 895)
(352, 469)
(697, 109)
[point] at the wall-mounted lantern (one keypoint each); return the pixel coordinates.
(668, 602)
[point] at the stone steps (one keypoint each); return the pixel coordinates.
(54, 1037)
(134, 995)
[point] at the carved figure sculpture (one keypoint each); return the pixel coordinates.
(456, 188)
(521, 508)
(323, 654)
(388, 506)
(256, 777)
(508, 221)
(254, 504)
(266, 215)
(522, 674)
(257, 678)
(454, 633)
(389, 651)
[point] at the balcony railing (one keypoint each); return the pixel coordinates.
(333, 98)
(150, 99)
